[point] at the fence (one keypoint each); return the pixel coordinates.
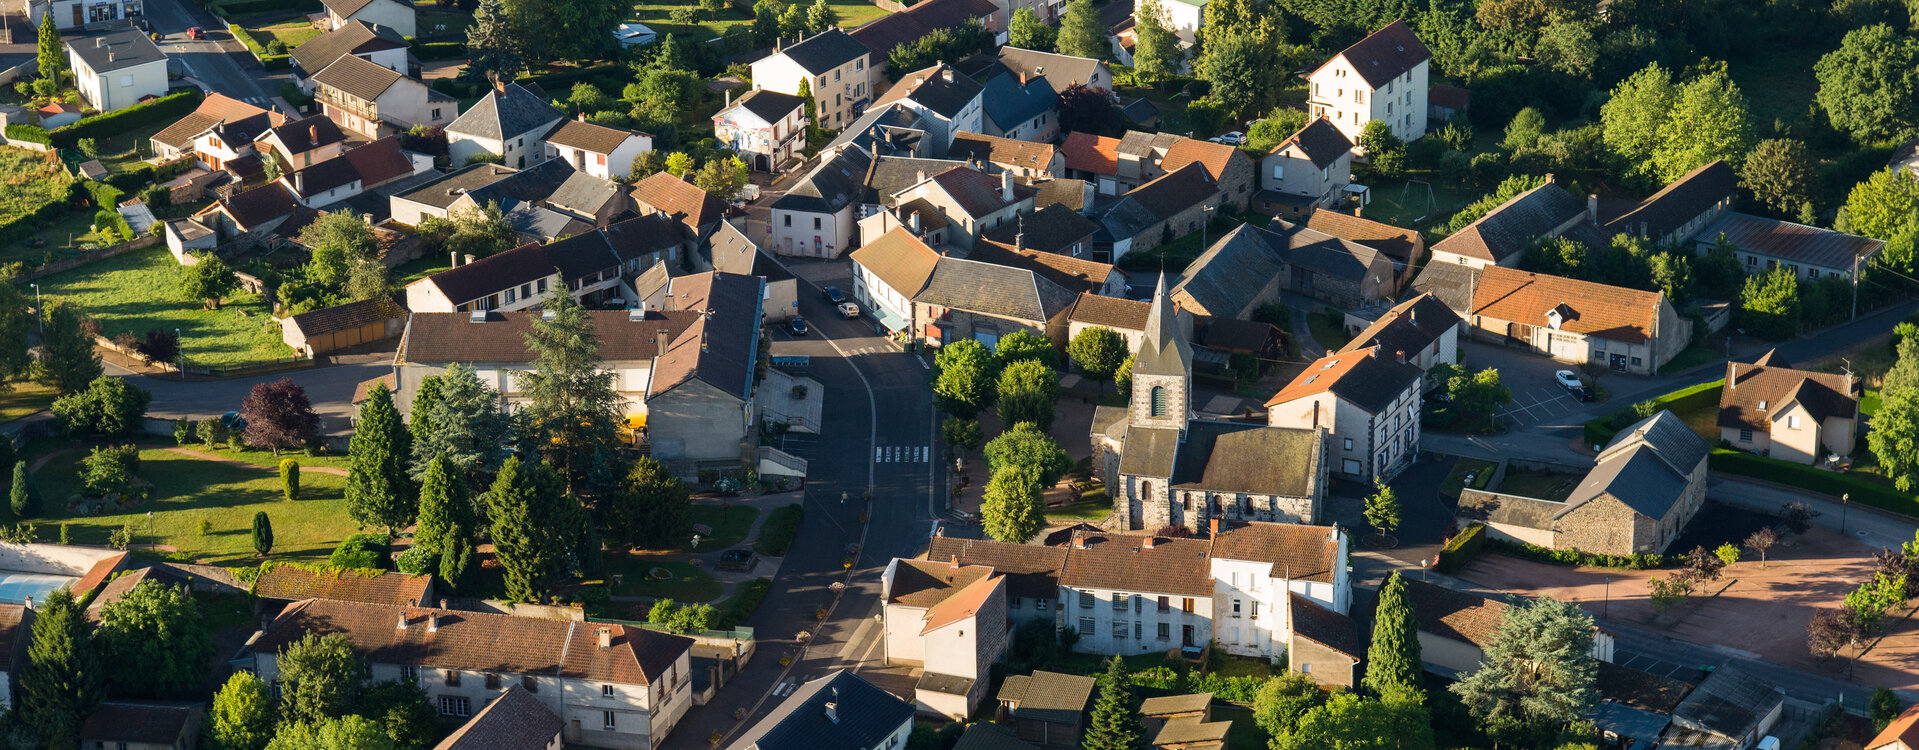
(90, 256)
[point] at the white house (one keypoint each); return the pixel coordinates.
(765, 127)
(397, 15)
(598, 150)
(1307, 171)
(888, 272)
(1367, 400)
(948, 103)
(1183, 17)
(1423, 327)
(816, 218)
(72, 14)
(117, 69)
(509, 123)
(376, 101)
(1255, 567)
(831, 64)
(1382, 77)
(950, 620)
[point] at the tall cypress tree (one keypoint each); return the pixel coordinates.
(424, 400)
(25, 497)
(1393, 660)
(262, 533)
(571, 405)
(465, 423)
(64, 680)
(536, 527)
(1115, 724)
(378, 492)
(52, 55)
(444, 504)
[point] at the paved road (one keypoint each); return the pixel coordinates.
(218, 62)
(329, 387)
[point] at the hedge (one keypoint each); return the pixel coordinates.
(294, 96)
(1537, 553)
(270, 6)
(607, 77)
(164, 109)
(1833, 483)
(743, 602)
(29, 133)
(1461, 549)
(1600, 431)
(268, 61)
(103, 194)
(440, 50)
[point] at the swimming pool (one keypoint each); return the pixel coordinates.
(15, 587)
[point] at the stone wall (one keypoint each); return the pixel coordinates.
(1606, 526)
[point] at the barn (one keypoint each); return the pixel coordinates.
(347, 325)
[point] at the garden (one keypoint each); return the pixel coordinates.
(141, 291)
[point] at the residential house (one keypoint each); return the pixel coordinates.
(355, 171)
(1901, 733)
(1054, 229)
(733, 252)
(1455, 627)
(281, 585)
(1801, 416)
(1059, 71)
(682, 201)
(342, 326)
(1422, 327)
(70, 14)
(1133, 595)
(1029, 159)
(613, 686)
(1182, 17)
(966, 299)
(946, 102)
(257, 214)
(1166, 468)
(1143, 157)
(301, 143)
(815, 218)
(765, 126)
(1094, 158)
(436, 199)
(516, 720)
(653, 245)
(888, 273)
(1076, 275)
(1307, 171)
(1020, 107)
(380, 45)
(1045, 708)
(1250, 267)
(1808, 252)
(1031, 572)
(544, 202)
(393, 14)
(117, 68)
(1326, 645)
(1171, 206)
(1382, 77)
(949, 620)
(16, 631)
(1679, 211)
(219, 135)
(882, 34)
(143, 725)
(971, 202)
(1258, 568)
(838, 710)
(891, 129)
(1501, 236)
(1404, 247)
(510, 123)
(1126, 317)
(1577, 322)
(832, 65)
(602, 151)
(520, 278)
(375, 101)
(1367, 400)
(1646, 484)
(1732, 709)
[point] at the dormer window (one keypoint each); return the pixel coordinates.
(1762, 406)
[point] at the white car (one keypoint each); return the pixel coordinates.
(1234, 138)
(1568, 380)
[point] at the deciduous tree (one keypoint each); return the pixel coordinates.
(1762, 540)
(1884, 204)
(964, 384)
(1273, 129)
(1012, 509)
(1028, 390)
(1349, 722)
(155, 640)
(338, 240)
(1867, 86)
(1769, 305)
(722, 178)
(67, 360)
(1156, 54)
(1080, 32)
(1283, 700)
(208, 281)
(242, 714)
(1085, 109)
(1382, 508)
(109, 406)
(1024, 445)
(1028, 32)
(349, 732)
(279, 415)
(1780, 174)
(1098, 351)
(319, 675)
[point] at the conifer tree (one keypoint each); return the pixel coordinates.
(25, 495)
(571, 407)
(262, 533)
(378, 492)
(535, 527)
(64, 680)
(52, 55)
(444, 507)
(1393, 660)
(651, 508)
(1115, 723)
(424, 399)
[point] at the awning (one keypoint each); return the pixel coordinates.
(888, 318)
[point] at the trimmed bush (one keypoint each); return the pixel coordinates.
(28, 133)
(102, 194)
(244, 7)
(1831, 483)
(440, 50)
(268, 60)
(164, 109)
(1240, 690)
(295, 96)
(1537, 553)
(360, 551)
(1461, 549)
(290, 478)
(1600, 431)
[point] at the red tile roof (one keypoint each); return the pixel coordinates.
(1092, 153)
(1214, 156)
(962, 604)
(1594, 309)
(1902, 733)
(673, 196)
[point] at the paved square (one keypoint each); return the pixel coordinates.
(1538, 404)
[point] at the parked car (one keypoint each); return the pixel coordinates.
(196, 32)
(1234, 138)
(849, 310)
(1568, 379)
(796, 325)
(834, 295)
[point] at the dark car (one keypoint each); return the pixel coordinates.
(797, 325)
(1582, 393)
(834, 295)
(233, 420)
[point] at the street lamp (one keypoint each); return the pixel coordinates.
(1605, 607)
(39, 311)
(1845, 504)
(1203, 211)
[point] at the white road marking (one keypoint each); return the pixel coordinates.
(901, 454)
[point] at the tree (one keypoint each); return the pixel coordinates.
(401, 710)
(109, 406)
(464, 422)
(456, 555)
(63, 680)
(1382, 508)
(535, 527)
(1085, 109)
(1023, 345)
(651, 509)
(1475, 393)
(570, 407)
(722, 178)
(51, 53)
(1524, 130)
(1012, 509)
(1081, 34)
(1386, 152)
(262, 533)
(24, 496)
(16, 323)
(1156, 55)
(1115, 721)
(67, 361)
(1830, 630)
(368, 279)
(1393, 659)
(350, 732)
(964, 383)
(1709, 121)
(378, 492)
(479, 232)
(1283, 700)
(1098, 352)
(1349, 722)
(1886, 706)
(1539, 669)
(1780, 174)
(424, 397)
(497, 51)
(819, 16)
(1630, 119)
(1123, 378)
(1869, 603)
(1762, 540)
(319, 675)
(1867, 86)
(279, 416)
(1028, 390)
(793, 21)
(1028, 32)
(1727, 552)
(766, 28)
(155, 640)
(444, 506)
(159, 346)
(1273, 129)
(290, 478)
(1024, 445)
(338, 239)
(1769, 305)
(242, 714)
(961, 433)
(1884, 204)
(208, 281)
(109, 469)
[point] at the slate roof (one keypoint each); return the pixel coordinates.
(899, 259)
(504, 113)
(642, 236)
(452, 337)
(939, 89)
(143, 722)
(883, 34)
(1076, 275)
(1455, 615)
(356, 36)
(1164, 350)
(977, 193)
(998, 291)
(357, 76)
(1793, 243)
(1031, 571)
(1231, 274)
(1668, 436)
(1411, 327)
(514, 721)
(1059, 71)
(888, 176)
(308, 133)
(1159, 200)
(825, 51)
(721, 347)
(1075, 195)
(1511, 510)
(552, 180)
(1511, 226)
(1397, 243)
(1643, 690)
(480, 641)
(1320, 141)
(372, 164)
(837, 182)
(997, 150)
(443, 192)
(1091, 153)
(1323, 253)
(892, 129)
(1451, 283)
(1385, 54)
(1048, 696)
(1249, 458)
(1150, 451)
(262, 204)
(292, 583)
(1647, 467)
(345, 8)
(1325, 627)
(1823, 394)
(1052, 229)
(924, 583)
(1666, 211)
(12, 627)
(1730, 702)
(1594, 309)
(1180, 567)
(1010, 103)
(1296, 551)
(771, 106)
(118, 49)
(345, 318)
(989, 736)
(867, 716)
(588, 136)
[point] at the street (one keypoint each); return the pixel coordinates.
(220, 63)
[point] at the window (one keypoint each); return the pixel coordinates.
(1792, 423)
(1085, 600)
(492, 681)
(520, 141)
(1013, 602)
(1165, 632)
(787, 220)
(1305, 668)
(540, 285)
(1188, 606)
(1163, 604)
(606, 691)
(859, 63)
(1040, 604)
(1086, 628)
(1279, 171)
(836, 76)
(1119, 629)
(816, 223)
(1159, 401)
(453, 679)
(511, 296)
(126, 81)
(607, 717)
(601, 158)
(436, 113)
(1235, 607)
(1119, 600)
(454, 705)
(1349, 443)
(1745, 436)
(409, 674)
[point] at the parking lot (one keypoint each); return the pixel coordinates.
(1537, 397)
(1538, 404)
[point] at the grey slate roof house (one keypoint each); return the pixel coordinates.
(1730, 710)
(816, 217)
(967, 299)
(1499, 237)
(1251, 266)
(1166, 208)
(513, 721)
(508, 122)
(840, 710)
(1046, 708)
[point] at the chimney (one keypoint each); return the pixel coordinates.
(729, 99)
(28, 602)
(1079, 539)
(313, 134)
(443, 604)
(659, 341)
(833, 707)
(582, 117)
(468, 261)
(918, 80)
(99, 42)
(402, 620)
(913, 222)
(1148, 544)
(433, 622)
(453, 260)
(1212, 527)
(940, 532)
(1022, 78)
(1006, 186)
(1592, 207)
(606, 638)
(1400, 355)
(955, 563)
(299, 183)
(946, 73)
(921, 177)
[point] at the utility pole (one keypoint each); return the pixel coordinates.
(1855, 287)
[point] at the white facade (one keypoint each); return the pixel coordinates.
(1184, 17)
(72, 14)
(615, 165)
(1362, 445)
(117, 89)
(809, 234)
(766, 146)
(1135, 622)
(395, 15)
(1338, 93)
(838, 94)
(874, 292)
(1250, 612)
(519, 151)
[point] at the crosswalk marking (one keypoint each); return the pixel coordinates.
(901, 454)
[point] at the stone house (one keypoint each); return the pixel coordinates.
(1031, 572)
(1073, 274)
(1793, 415)
(1123, 316)
(1423, 327)
(1326, 645)
(1258, 568)
(967, 299)
(950, 620)
(375, 101)
(663, 193)
(509, 122)
(1307, 171)
(1164, 209)
(832, 64)
(1136, 595)
(1405, 247)
(1250, 267)
(1577, 322)
(1501, 237)
(1367, 401)
(281, 585)
(393, 14)
(1382, 77)
(1053, 230)
(1030, 159)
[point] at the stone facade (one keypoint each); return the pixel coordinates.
(1327, 667)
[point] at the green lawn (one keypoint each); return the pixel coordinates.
(1869, 402)
(140, 291)
(656, 14)
(290, 33)
(1329, 328)
(24, 398)
(266, 459)
(420, 268)
(61, 239)
(1092, 506)
(1539, 484)
(729, 524)
(1690, 357)
(188, 490)
(687, 584)
(441, 26)
(1405, 204)
(1482, 472)
(122, 152)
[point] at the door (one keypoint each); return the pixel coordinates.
(1619, 362)
(1185, 635)
(77, 18)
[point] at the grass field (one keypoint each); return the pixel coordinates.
(140, 291)
(729, 524)
(1482, 472)
(1092, 506)
(656, 14)
(688, 584)
(58, 240)
(1544, 485)
(24, 398)
(1329, 328)
(28, 180)
(290, 33)
(188, 490)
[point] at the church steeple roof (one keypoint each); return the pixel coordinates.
(1164, 350)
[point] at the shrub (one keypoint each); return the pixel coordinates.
(1159, 678)
(1461, 549)
(205, 526)
(164, 109)
(359, 551)
(1575, 557)
(28, 133)
(1234, 689)
(743, 602)
(416, 560)
(1809, 478)
(109, 469)
(295, 96)
(268, 59)
(290, 478)
(440, 50)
